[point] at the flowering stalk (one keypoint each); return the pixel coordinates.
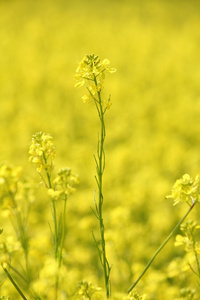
(184, 190)
(42, 153)
(92, 70)
(100, 166)
(14, 186)
(189, 241)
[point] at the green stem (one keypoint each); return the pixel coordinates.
(61, 244)
(55, 228)
(100, 170)
(18, 273)
(54, 216)
(14, 283)
(22, 234)
(56, 244)
(63, 231)
(160, 248)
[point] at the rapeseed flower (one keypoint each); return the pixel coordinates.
(64, 184)
(134, 296)
(9, 178)
(185, 189)
(86, 290)
(187, 239)
(92, 70)
(42, 151)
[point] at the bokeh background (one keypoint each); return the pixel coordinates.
(153, 129)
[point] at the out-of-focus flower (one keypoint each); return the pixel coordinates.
(187, 293)
(187, 239)
(87, 289)
(64, 184)
(134, 296)
(9, 178)
(185, 189)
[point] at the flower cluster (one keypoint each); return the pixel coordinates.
(63, 184)
(188, 228)
(42, 151)
(135, 296)
(8, 249)
(86, 290)
(9, 179)
(92, 70)
(16, 193)
(185, 190)
(187, 293)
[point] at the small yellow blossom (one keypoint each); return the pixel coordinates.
(85, 98)
(92, 70)
(64, 184)
(185, 190)
(54, 194)
(42, 151)
(9, 177)
(5, 265)
(187, 293)
(187, 239)
(87, 289)
(134, 296)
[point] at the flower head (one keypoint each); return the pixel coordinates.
(134, 296)
(187, 239)
(92, 70)
(86, 290)
(187, 293)
(64, 184)
(9, 179)
(185, 189)
(42, 151)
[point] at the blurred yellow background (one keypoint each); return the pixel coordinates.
(153, 128)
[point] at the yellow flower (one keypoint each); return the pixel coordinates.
(188, 228)
(9, 178)
(64, 182)
(134, 296)
(181, 240)
(185, 190)
(54, 194)
(42, 151)
(85, 98)
(92, 70)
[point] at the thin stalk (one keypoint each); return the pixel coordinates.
(63, 231)
(160, 248)
(54, 217)
(100, 162)
(18, 273)
(59, 257)
(55, 228)
(56, 243)
(21, 235)
(14, 283)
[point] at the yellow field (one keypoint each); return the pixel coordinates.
(152, 131)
